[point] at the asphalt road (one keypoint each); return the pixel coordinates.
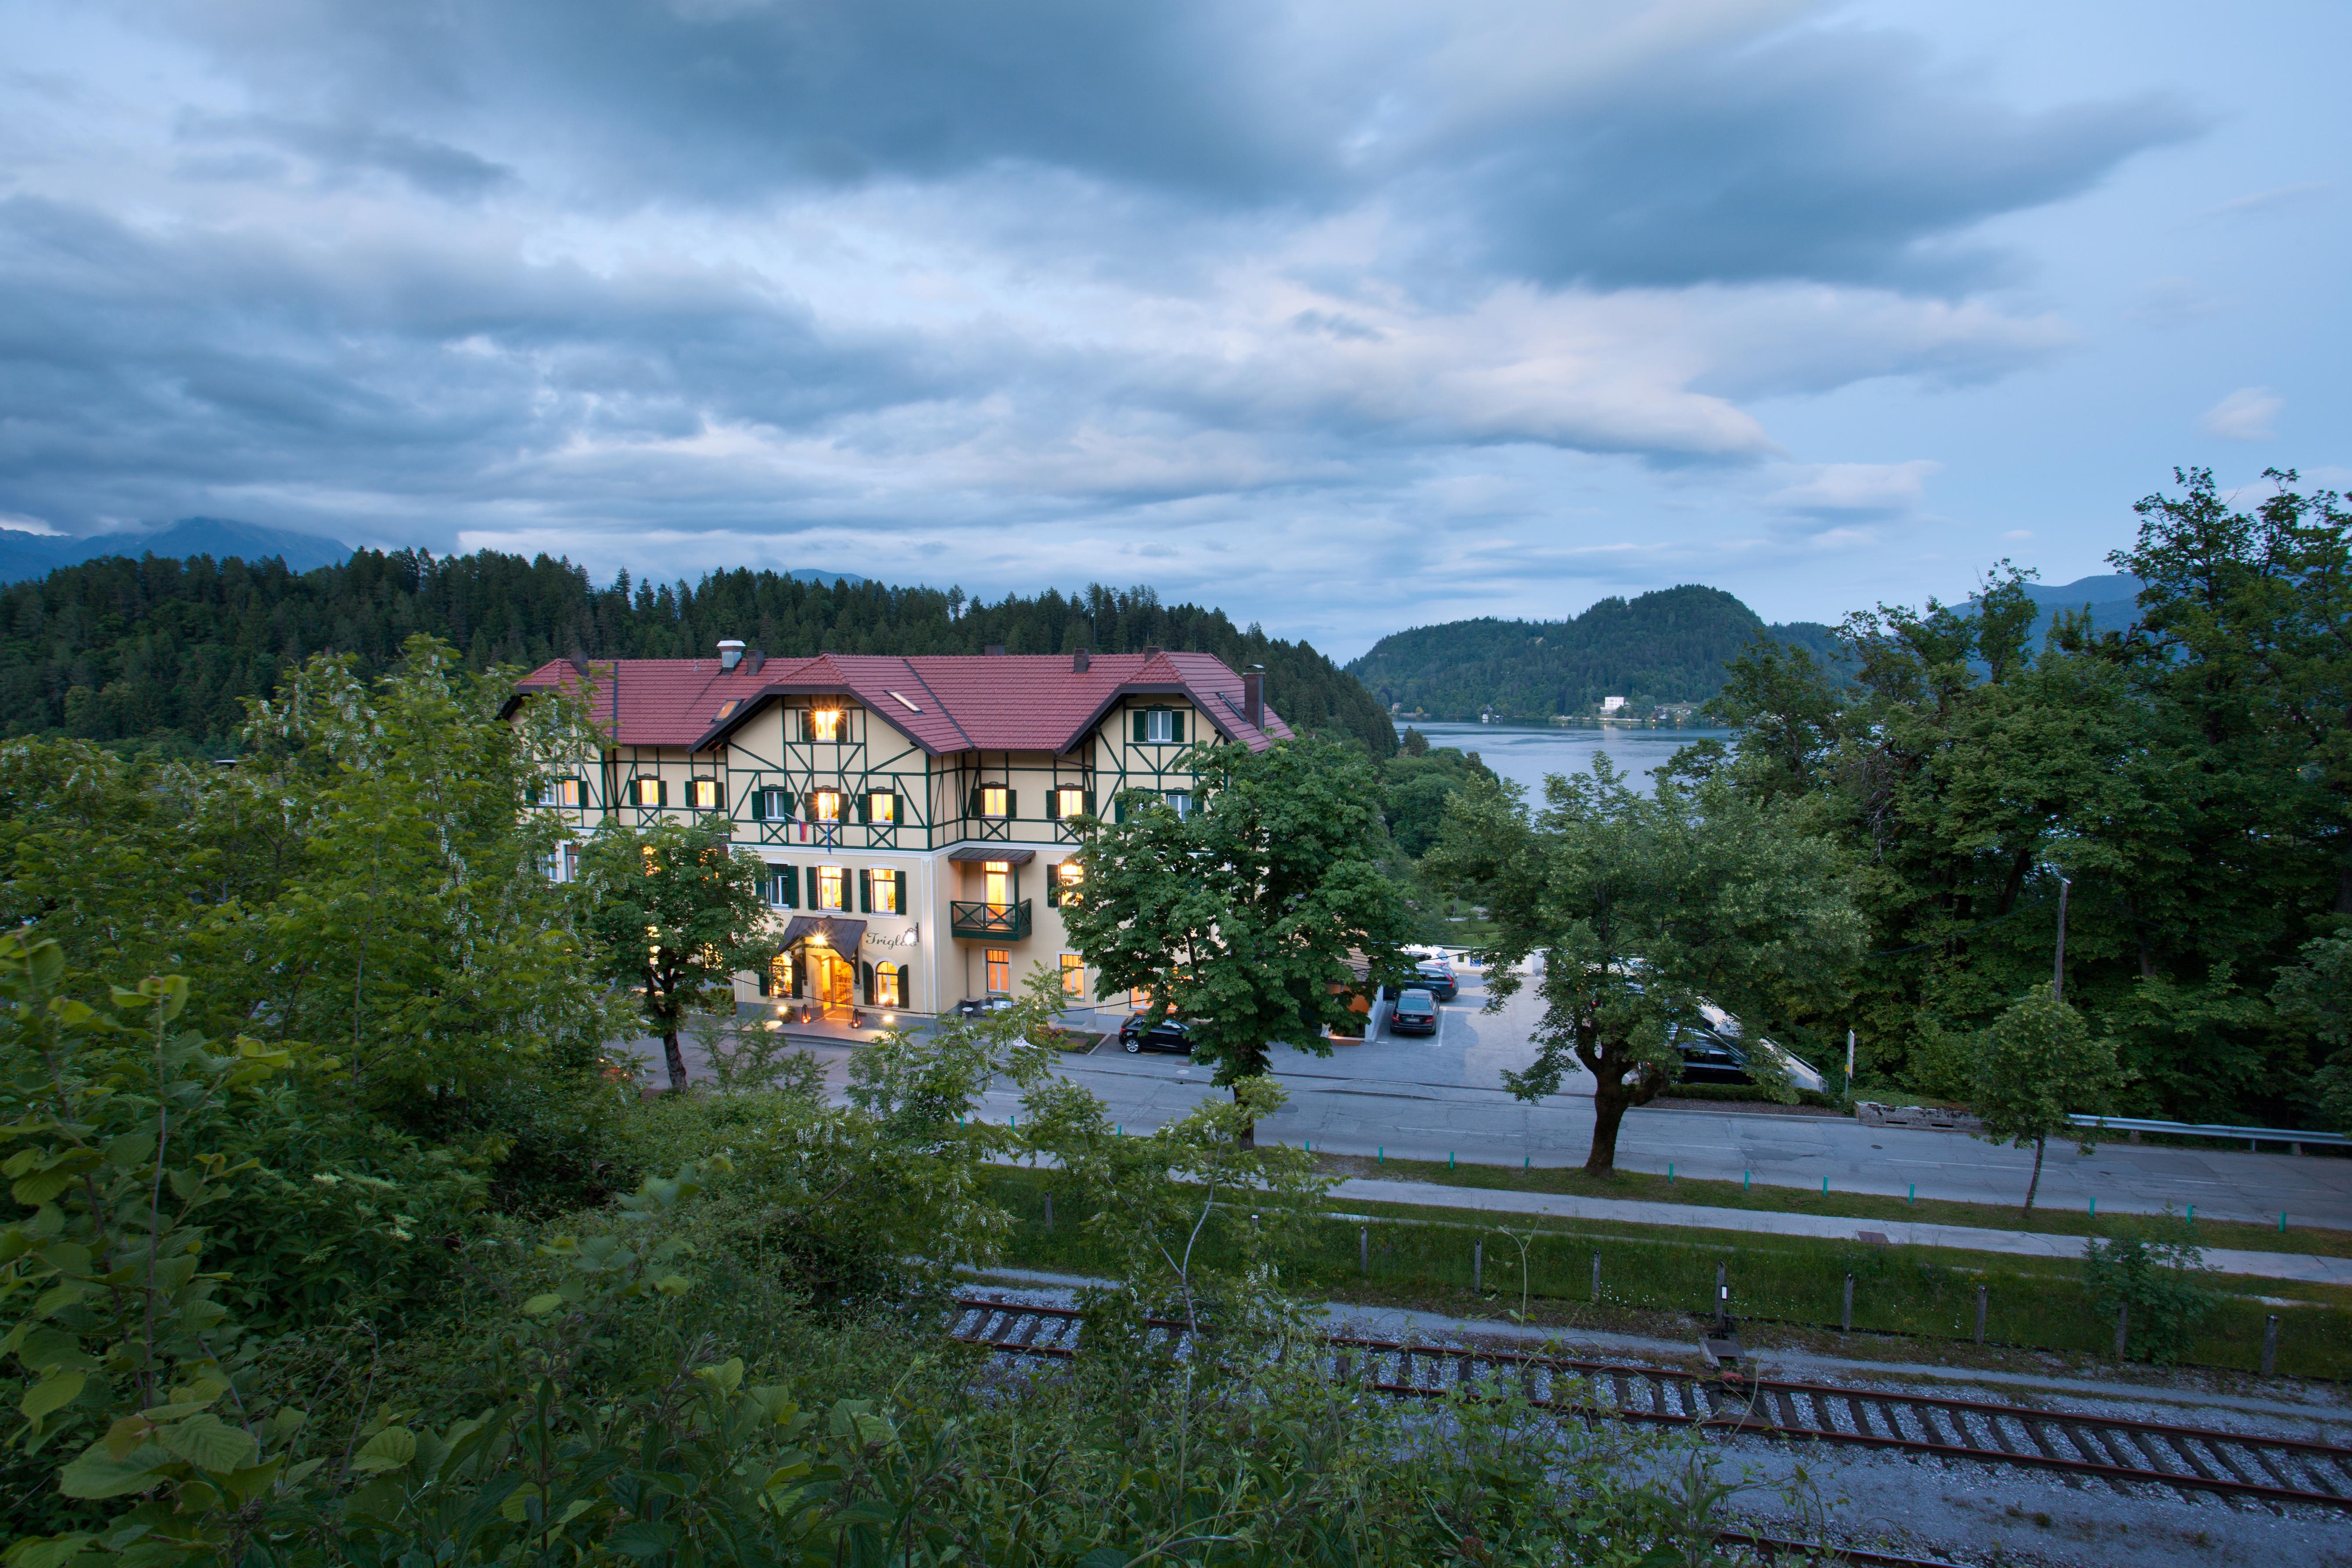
(1425, 1098)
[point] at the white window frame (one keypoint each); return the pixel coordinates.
(1159, 726)
(1073, 977)
(887, 801)
(838, 877)
(882, 882)
(995, 800)
(696, 788)
(824, 806)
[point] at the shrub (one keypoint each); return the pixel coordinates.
(2159, 1275)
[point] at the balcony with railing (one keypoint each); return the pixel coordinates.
(989, 923)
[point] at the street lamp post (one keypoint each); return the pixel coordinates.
(2058, 966)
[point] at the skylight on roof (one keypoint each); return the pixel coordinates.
(909, 704)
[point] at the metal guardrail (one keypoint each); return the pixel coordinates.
(2210, 1130)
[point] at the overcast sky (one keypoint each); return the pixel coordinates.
(1343, 316)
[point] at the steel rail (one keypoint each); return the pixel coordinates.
(1734, 1404)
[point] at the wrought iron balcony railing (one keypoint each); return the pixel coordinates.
(989, 922)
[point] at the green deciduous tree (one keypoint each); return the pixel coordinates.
(1241, 915)
(674, 910)
(1643, 907)
(2037, 1065)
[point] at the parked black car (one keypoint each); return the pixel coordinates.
(1436, 977)
(1168, 1034)
(1415, 1013)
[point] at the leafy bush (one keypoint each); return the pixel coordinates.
(2159, 1277)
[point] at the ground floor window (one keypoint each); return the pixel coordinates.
(563, 865)
(1073, 977)
(780, 976)
(1000, 971)
(888, 988)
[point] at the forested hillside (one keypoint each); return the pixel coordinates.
(161, 652)
(1666, 647)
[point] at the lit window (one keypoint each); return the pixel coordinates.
(1069, 802)
(1068, 876)
(1073, 977)
(825, 723)
(829, 880)
(704, 793)
(1138, 999)
(779, 974)
(890, 990)
(882, 883)
(996, 875)
(1181, 800)
(646, 792)
(995, 800)
(1000, 971)
(881, 806)
(825, 806)
(567, 792)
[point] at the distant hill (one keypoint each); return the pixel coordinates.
(161, 652)
(25, 556)
(1664, 647)
(2113, 601)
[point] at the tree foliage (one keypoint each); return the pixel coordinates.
(2036, 1067)
(163, 653)
(1642, 908)
(2188, 775)
(674, 912)
(1241, 916)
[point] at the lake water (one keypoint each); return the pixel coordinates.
(1524, 754)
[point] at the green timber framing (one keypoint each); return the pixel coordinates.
(888, 823)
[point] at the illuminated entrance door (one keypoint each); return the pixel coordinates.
(832, 981)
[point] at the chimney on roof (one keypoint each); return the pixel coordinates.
(1152, 650)
(1253, 696)
(731, 653)
(1080, 659)
(993, 650)
(759, 658)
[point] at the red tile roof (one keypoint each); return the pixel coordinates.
(945, 704)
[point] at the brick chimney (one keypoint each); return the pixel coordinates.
(1152, 650)
(1253, 696)
(731, 653)
(1079, 660)
(993, 650)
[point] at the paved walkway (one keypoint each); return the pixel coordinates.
(2019, 1243)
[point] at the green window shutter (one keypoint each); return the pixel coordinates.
(790, 880)
(763, 982)
(1176, 726)
(1119, 810)
(865, 891)
(1052, 804)
(760, 810)
(973, 808)
(1053, 891)
(898, 879)
(868, 978)
(1090, 803)
(1011, 806)
(812, 886)
(1143, 731)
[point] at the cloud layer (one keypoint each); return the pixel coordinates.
(1207, 294)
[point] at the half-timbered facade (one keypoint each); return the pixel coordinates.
(915, 815)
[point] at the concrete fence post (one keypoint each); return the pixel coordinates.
(1596, 1279)
(1981, 1313)
(1477, 1267)
(1049, 1211)
(2123, 1329)
(2269, 1345)
(1364, 1249)
(1845, 1316)
(1722, 1298)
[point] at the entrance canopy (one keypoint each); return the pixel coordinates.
(843, 935)
(1009, 855)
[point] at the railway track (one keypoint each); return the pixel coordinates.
(2117, 1451)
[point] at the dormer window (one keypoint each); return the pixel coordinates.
(1159, 727)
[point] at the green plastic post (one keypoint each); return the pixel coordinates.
(2281, 1222)
(1825, 1186)
(1745, 1178)
(1669, 1172)
(1449, 1159)
(1383, 1157)
(2192, 1213)
(2095, 1205)
(1914, 1194)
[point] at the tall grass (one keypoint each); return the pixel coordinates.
(1922, 1292)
